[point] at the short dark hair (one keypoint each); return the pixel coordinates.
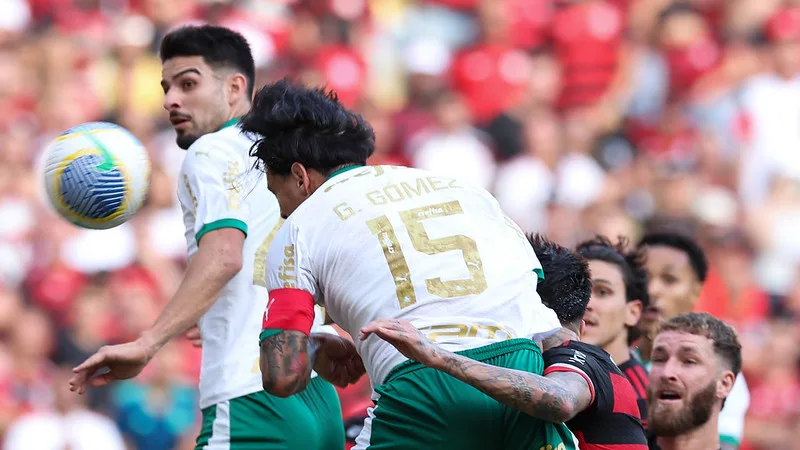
(567, 284)
(307, 126)
(219, 47)
(683, 243)
(726, 342)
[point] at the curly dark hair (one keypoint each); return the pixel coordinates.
(567, 284)
(296, 124)
(726, 342)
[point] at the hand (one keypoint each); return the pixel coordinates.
(122, 361)
(193, 335)
(405, 338)
(336, 359)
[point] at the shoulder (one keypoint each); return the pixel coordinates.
(227, 144)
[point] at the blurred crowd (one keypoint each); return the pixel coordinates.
(581, 116)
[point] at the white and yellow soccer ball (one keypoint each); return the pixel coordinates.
(97, 175)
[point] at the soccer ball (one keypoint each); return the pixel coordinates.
(96, 175)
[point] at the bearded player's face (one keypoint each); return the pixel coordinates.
(687, 384)
(194, 96)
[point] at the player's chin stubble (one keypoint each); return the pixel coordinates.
(668, 422)
(186, 140)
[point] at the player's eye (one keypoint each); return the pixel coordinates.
(188, 84)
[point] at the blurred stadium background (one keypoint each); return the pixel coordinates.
(581, 116)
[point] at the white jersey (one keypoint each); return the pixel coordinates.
(394, 242)
(219, 188)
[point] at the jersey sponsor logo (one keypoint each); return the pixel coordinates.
(287, 272)
(578, 357)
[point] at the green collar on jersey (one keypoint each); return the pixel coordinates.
(342, 170)
(229, 123)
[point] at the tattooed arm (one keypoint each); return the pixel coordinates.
(285, 362)
(557, 398)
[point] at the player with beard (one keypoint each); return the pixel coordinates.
(580, 381)
(619, 293)
(696, 359)
(677, 268)
(231, 218)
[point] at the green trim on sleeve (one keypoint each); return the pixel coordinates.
(540, 273)
(725, 439)
(268, 333)
(222, 223)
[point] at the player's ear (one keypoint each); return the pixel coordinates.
(633, 312)
(300, 176)
(237, 87)
(725, 384)
(582, 328)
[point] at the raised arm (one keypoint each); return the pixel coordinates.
(557, 398)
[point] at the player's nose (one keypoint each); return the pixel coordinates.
(172, 100)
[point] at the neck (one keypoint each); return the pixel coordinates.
(618, 349)
(239, 110)
(704, 437)
(560, 336)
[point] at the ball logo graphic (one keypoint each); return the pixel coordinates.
(97, 175)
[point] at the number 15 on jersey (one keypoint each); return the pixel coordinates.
(382, 228)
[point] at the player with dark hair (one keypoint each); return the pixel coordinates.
(677, 268)
(696, 359)
(619, 293)
(581, 384)
(385, 242)
(231, 218)
(199, 64)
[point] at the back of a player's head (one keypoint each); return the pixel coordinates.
(218, 46)
(567, 284)
(682, 243)
(723, 336)
(307, 126)
(630, 263)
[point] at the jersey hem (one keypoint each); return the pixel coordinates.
(222, 223)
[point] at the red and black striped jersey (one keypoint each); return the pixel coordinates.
(635, 372)
(611, 421)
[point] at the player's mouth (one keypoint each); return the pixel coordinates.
(667, 396)
(179, 120)
(652, 313)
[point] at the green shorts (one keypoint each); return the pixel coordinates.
(419, 407)
(311, 420)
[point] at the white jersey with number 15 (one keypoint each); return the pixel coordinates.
(394, 242)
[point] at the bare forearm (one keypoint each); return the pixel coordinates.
(285, 363)
(538, 396)
(207, 274)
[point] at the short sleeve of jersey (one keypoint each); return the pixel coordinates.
(568, 359)
(215, 177)
(289, 262)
